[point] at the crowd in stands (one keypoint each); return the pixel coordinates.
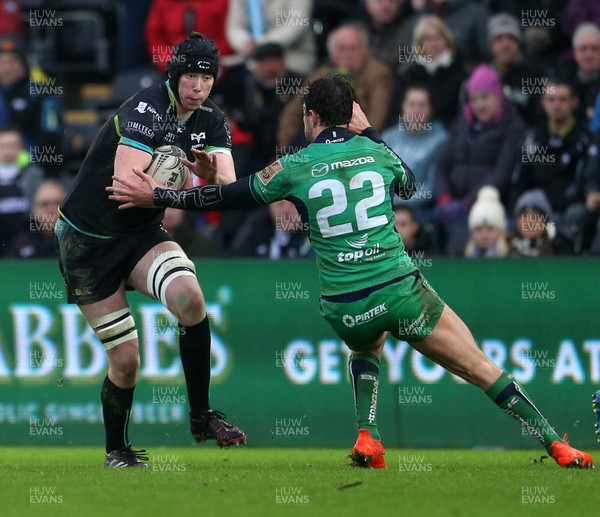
(495, 106)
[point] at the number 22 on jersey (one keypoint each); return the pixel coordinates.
(340, 204)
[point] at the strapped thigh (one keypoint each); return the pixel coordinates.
(166, 267)
(114, 328)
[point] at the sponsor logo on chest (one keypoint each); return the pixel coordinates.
(352, 163)
(198, 139)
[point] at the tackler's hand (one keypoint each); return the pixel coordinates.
(133, 192)
(205, 165)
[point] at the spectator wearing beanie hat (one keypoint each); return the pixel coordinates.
(536, 235)
(487, 225)
(485, 102)
(515, 69)
(482, 149)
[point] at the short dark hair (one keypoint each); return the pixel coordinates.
(268, 51)
(562, 80)
(331, 97)
(424, 87)
(10, 129)
(407, 209)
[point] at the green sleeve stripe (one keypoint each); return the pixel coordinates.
(132, 143)
(212, 149)
(255, 193)
(116, 121)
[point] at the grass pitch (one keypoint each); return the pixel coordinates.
(206, 481)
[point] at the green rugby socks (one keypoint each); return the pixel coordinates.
(512, 398)
(364, 371)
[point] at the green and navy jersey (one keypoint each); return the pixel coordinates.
(342, 186)
(145, 121)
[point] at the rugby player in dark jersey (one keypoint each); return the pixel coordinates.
(341, 184)
(104, 251)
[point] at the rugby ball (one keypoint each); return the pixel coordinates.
(166, 167)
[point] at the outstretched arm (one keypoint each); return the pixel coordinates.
(144, 192)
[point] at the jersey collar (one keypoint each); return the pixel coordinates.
(171, 98)
(174, 105)
(333, 135)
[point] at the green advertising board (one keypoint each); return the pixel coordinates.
(281, 373)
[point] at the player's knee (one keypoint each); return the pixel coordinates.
(125, 363)
(170, 273)
(186, 303)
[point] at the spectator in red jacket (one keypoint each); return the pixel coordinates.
(10, 18)
(171, 21)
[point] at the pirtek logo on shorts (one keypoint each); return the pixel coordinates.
(365, 317)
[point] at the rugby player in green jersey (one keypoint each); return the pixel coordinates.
(342, 185)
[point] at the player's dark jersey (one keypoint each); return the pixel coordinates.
(146, 121)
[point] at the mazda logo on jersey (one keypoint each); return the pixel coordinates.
(196, 137)
(320, 169)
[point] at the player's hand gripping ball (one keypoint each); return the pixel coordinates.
(166, 167)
